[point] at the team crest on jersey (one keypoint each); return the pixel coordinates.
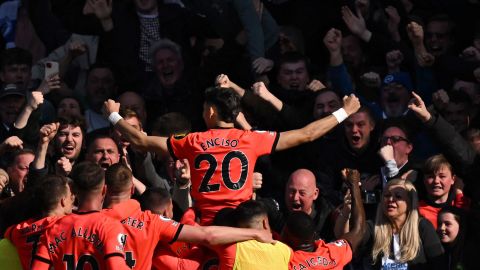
(164, 218)
(179, 136)
(264, 131)
(174, 223)
(339, 243)
(122, 241)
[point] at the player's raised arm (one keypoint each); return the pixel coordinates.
(320, 127)
(137, 138)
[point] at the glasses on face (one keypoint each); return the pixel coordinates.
(393, 139)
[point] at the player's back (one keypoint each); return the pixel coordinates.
(326, 256)
(25, 236)
(81, 239)
(144, 231)
(221, 164)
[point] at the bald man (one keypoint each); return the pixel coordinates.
(301, 191)
(302, 194)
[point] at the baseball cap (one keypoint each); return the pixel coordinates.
(402, 78)
(11, 89)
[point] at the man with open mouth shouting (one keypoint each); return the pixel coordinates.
(67, 135)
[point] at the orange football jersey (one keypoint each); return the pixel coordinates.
(25, 237)
(87, 240)
(326, 256)
(221, 164)
(144, 230)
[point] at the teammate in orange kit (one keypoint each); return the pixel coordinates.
(54, 199)
(144, 230)
(222, 159)
(86, 237)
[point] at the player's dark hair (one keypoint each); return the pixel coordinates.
(118, 178)
(224, 217)
(225, 100)
(87, 176)
(154, 198)
(172, 123)
(247, 211)
(15, 56)
(48, 193)
(300, 226)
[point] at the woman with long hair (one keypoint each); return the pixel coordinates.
(452, 230)
(400, 238)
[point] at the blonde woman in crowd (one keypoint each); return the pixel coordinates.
(399, 238)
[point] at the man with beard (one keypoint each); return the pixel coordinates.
(68, 135)
(395, 94)
(100, 86)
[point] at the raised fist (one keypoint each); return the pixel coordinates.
(109, 107)
(34, 99)
(415, 33)
(333, 40)
(315, 85)
(13, 142)
(371, 79)
(48, 132)
(257, 180)
(63, 166)
(77, 48)
(394, 59)
(351, 104)
(223, 81)
(387, 152)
